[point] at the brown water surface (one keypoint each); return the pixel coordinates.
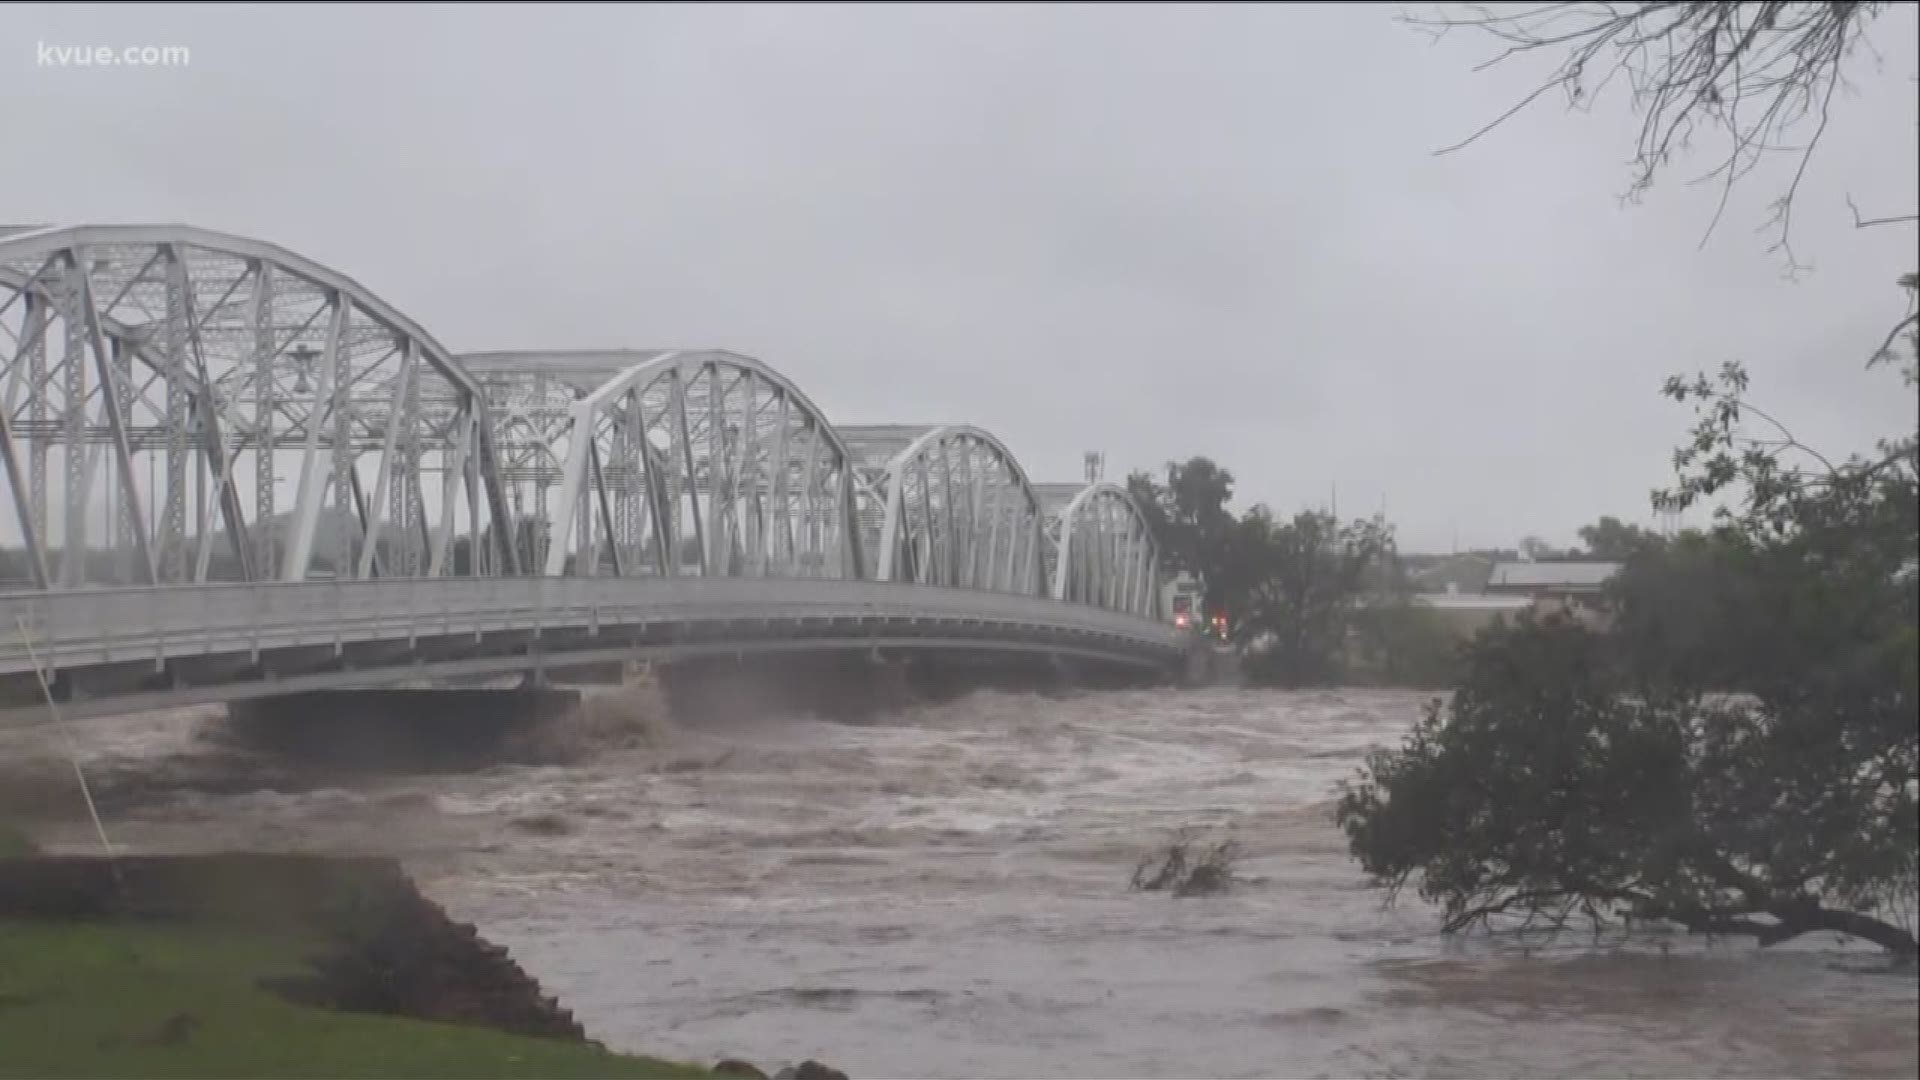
(944, 894)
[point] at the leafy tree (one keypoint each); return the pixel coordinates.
(1154, 501)
(1537, 550)
(1396, 641)
(1310, 600)
(1400, 643)
(1297, 586)
(1613, 539)
(1190, 519)
(1670, 605)
(1739, 751)
(1316, 601)
(1201, 491)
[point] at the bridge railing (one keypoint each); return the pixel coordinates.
(108, 626)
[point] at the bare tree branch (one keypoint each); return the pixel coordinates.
(1885, 351)
(1494, 123)
(1753, 72)
(1868, 223)
(1787, 440)
(1783, 207)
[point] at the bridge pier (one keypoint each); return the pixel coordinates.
(431, 729)
(843, 685)
(859, 686)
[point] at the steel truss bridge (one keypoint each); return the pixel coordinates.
(233, 472)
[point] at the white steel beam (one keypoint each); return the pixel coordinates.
(313, 467)
(110, 401)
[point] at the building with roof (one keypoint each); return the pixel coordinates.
(1464, 572)
(1465, 615)
(1567, 580)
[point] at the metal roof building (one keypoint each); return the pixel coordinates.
(1533, 578)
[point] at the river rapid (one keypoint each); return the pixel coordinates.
(943, 892)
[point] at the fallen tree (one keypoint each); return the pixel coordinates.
(1738, 751)
(1552, 791)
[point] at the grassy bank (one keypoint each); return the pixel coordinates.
(14, 843)
(115, 998)
(260, 965)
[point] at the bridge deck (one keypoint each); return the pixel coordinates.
(120, 650)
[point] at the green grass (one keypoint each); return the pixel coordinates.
(14, 843)
(117, 999)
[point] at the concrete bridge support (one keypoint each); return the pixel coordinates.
(861, 686)
(400, 730)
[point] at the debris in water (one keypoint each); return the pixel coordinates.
(1189, 868)
(544, 825)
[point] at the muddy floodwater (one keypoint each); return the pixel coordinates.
(942, 892)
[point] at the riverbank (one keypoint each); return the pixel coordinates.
(256, 965)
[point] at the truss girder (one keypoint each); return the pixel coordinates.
(691, 463)
(953, 507)
(180, 406)
(184, 406)
(1104, 554)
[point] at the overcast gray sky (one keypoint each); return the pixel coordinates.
(1153, 231)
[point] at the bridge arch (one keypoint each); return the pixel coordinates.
(674, 462)
(184, 405)
(955, 508)
(1104, 552)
